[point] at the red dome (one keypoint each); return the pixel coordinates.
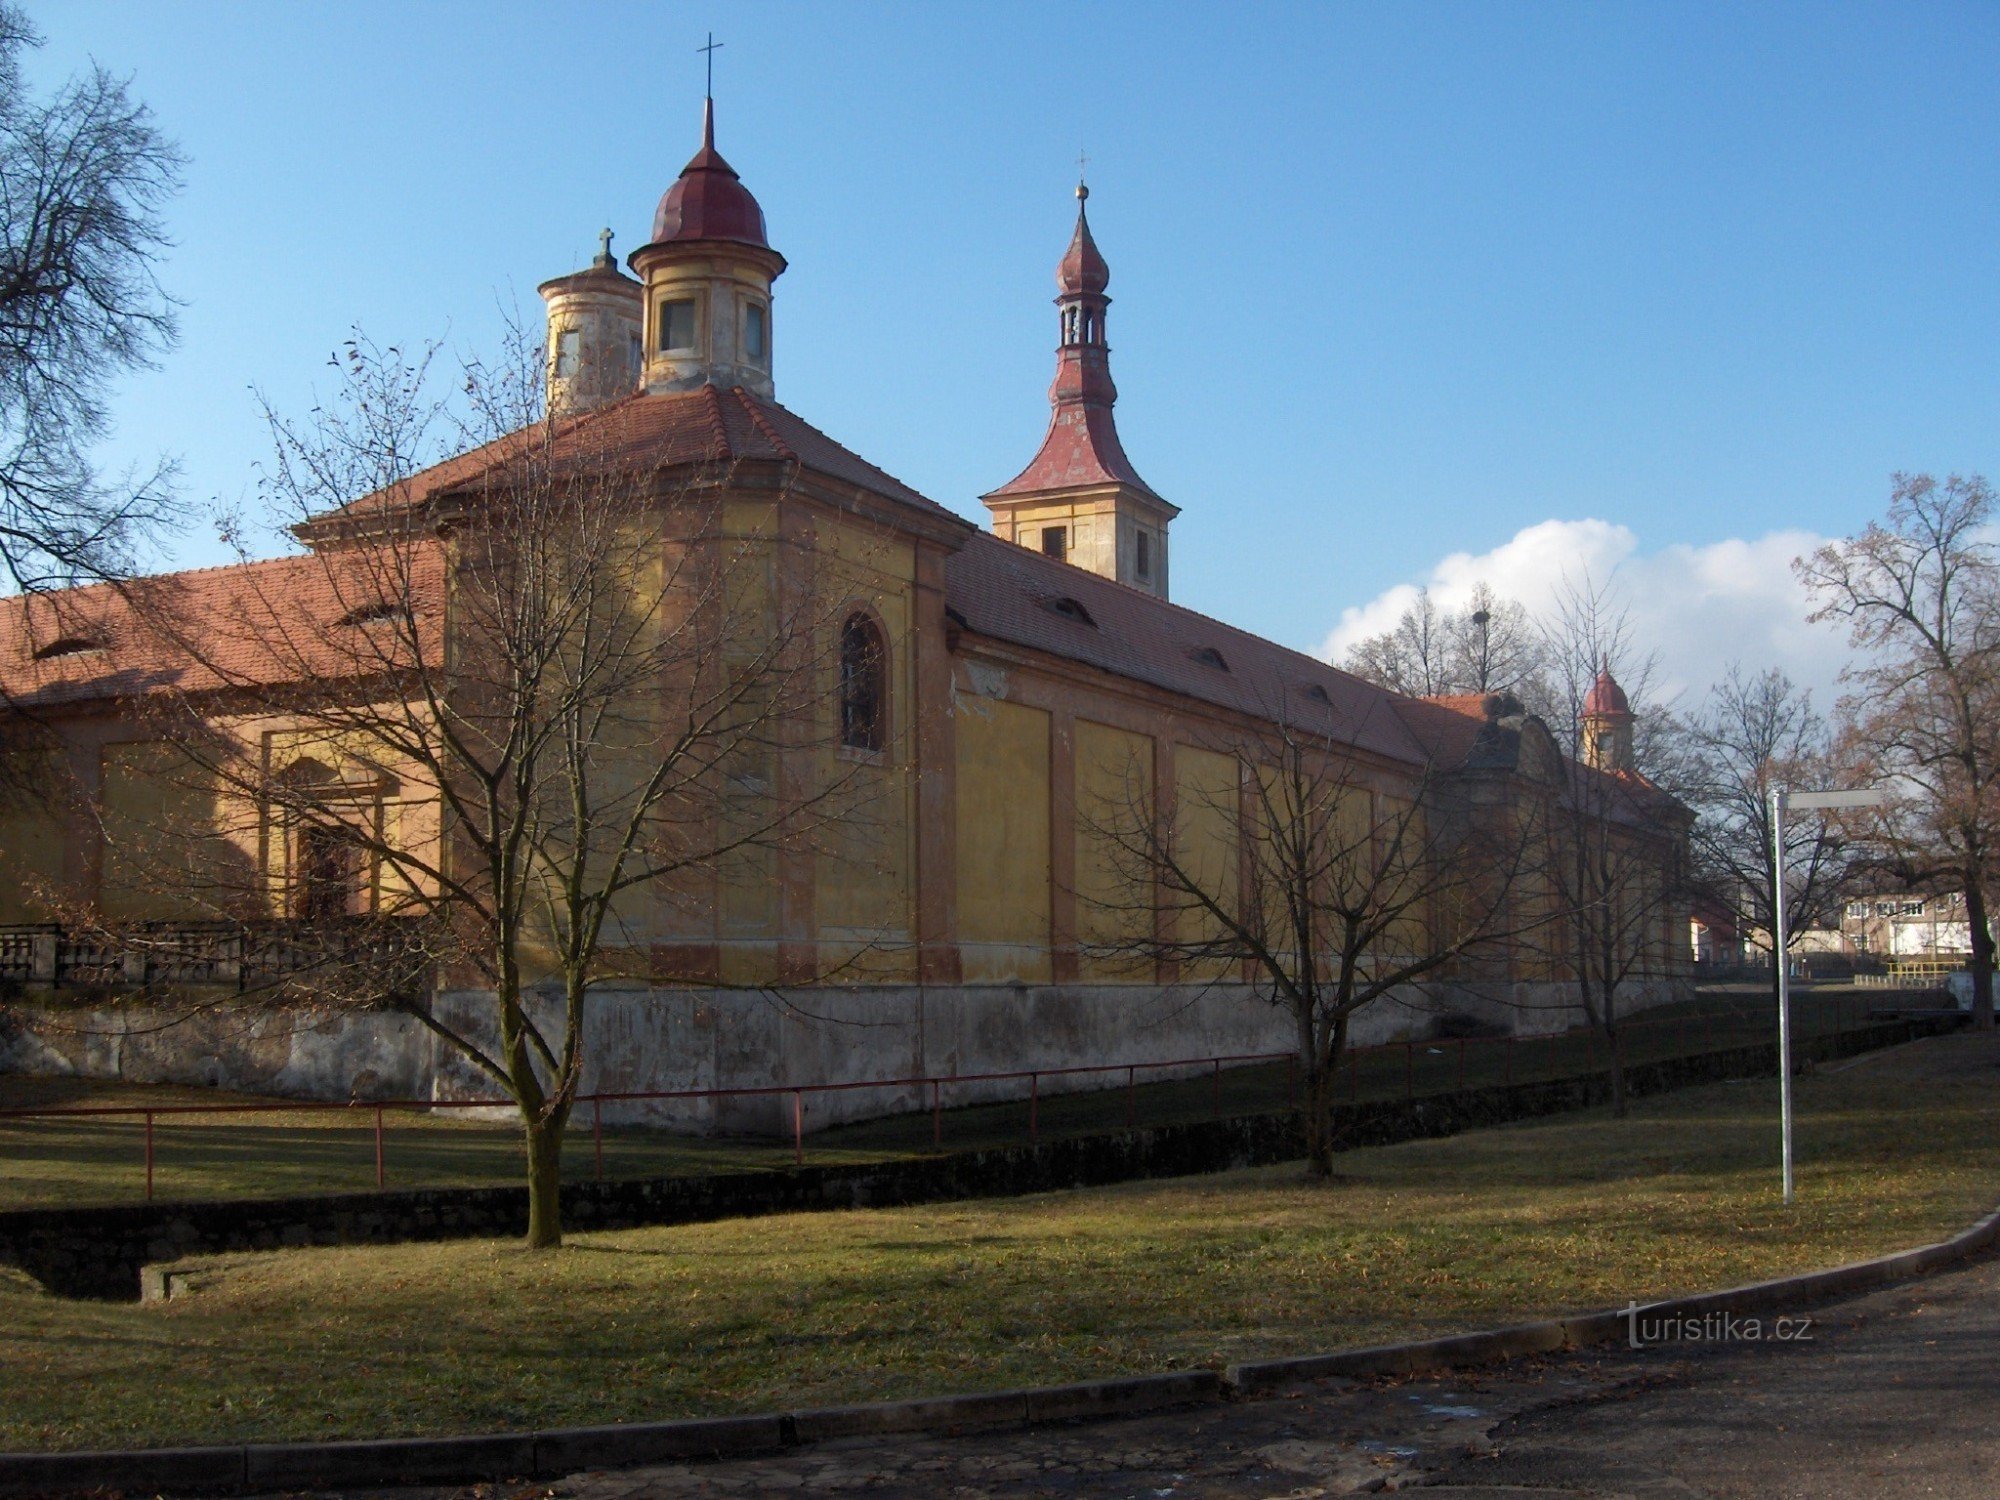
(1082, 268)
(708, 201)
(1606, 696)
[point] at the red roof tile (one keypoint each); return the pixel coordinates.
(1006, 592)
(644, 432)
(254, 624)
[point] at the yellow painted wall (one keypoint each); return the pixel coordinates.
(1003, 840)
(1206, 824)
(31, 847)
(163, 856)
(1114, 897)
(864, 883)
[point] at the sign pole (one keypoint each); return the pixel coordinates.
(1779, 953)
(1814, 801)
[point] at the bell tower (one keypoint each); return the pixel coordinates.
(1607, 725)
(707, 274)
(1081, 501)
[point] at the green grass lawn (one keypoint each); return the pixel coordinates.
(1477, 1230)
(73, 1162)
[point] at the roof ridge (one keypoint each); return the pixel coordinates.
(751, 405)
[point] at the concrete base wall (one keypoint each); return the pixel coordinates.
(297, 1052)
(648, 1040)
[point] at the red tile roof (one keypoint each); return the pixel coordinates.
(643, 432)
(257, 624)
(1006, 592)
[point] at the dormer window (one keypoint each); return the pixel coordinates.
(382, 612)
(1208, 656)
(1071, 609)
(69, 645)
(677, 327)
(1318, 694)
(754, 346)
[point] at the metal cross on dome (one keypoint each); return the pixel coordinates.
(709, 52)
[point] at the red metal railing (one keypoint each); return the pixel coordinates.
(1843, 1018)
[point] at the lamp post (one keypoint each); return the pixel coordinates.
(1782, 798)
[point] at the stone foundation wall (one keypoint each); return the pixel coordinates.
(648, 1040)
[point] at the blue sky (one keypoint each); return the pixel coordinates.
(1391, 282)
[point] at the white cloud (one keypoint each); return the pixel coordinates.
(1700, 607)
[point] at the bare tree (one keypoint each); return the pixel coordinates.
(1612, 851)
(518, 711)
(84, 176)
(1753, 733)
(1333, 888)
(1490, 646)
(1921, 599)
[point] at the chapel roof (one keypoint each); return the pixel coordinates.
(648, 432)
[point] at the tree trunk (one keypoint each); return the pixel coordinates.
(1982, 957)
(1319, 1116)
(544, 1138)
(1614, 1048)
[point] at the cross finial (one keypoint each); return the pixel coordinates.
(604, 246)
(709, 51)
(1082, 167)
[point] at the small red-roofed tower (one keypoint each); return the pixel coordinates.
(1080, 500)
(707, 273)
(1607, 725)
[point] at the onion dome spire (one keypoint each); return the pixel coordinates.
(1080, 499)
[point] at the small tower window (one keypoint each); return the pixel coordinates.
(1142, 556)
(635, 354)
(753, 332)
(1055, 542)
(569, 353)
(677, 327)
(864, 684)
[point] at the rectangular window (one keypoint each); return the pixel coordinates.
(676, 326)
(636, 354)
(1142, 556)
(753, 332)
(569, 352)
(1055, 542)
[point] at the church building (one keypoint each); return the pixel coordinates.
(995, 684)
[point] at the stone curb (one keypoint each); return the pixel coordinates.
(561, 1451)
(1579, 1330)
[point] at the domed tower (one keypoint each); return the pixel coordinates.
(707, 275)
(1607, 725)
(1081, 501)
(594, 334)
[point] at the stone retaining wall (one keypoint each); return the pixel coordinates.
(99, 1252)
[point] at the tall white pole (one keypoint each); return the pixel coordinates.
(1778, 955)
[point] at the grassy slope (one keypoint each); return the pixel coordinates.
(47, 1163)
(1429, 1236)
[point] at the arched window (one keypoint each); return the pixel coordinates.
(864, 684)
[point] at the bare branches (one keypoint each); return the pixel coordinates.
(1921, 598)
(84, 177)
(535, 701)
(1330, 886)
